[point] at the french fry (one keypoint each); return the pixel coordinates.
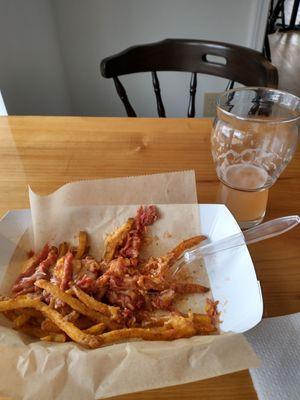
(22, 301)
(116, 239)
(31, 312)
(82, 245)
(20, 317)
(48, 326)
(30, 264)
(171, 257)
(62, 249)
(181, 323)
(31, 330)
(109, 311)
(186, 288)
(11, 315)
(203, 323)
(174, 327)
(200, 323)
(184, 245)
(74, 333)
(72, 316)
(84, 322)
(121, 335)
(154, 322)
(55, 337)
(75, 303)
(160, 333)
(95, 329)
(20, 321)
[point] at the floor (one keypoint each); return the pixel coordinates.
(285, 53)
(288, 7)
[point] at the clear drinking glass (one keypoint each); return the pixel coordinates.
(254, 137)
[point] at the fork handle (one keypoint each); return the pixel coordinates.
(271, 228)
(263, 231)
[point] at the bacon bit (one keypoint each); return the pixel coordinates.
(146, 216)
(164, 300)
(47, 297)
(149, 283)
(50, 260)
(35, 261)
(87, 282)
(211, 309)
(67, 271)
(126, 299)
(25, 284)
(129, 317)
(18, 290)
(132, 246)
(42, 254)
(102, 281)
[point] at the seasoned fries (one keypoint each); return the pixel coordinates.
(20, 320)
(95, 329)
(62, 249)
(74, 303)
(82, 246)
(48, 326)
(184, 245)
(109, 311)
(22, 301)
(33, 331)
(55, 337)
(65, 294)
(116, 239)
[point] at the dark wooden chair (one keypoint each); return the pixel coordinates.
(236, 63)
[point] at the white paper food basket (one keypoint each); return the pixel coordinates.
(231, 273)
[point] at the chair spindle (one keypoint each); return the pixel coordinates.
(193, 89)
(160, 106)
(123, 96)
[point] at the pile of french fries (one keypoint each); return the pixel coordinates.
(93, 323)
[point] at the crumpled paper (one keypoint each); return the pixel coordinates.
(35, 370)
(277, 342)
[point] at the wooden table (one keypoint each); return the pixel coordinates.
(47, 152)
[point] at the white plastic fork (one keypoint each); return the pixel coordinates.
(260, 232)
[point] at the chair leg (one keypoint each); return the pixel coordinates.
(283, 16)
(267, 49)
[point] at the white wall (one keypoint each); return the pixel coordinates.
(69, 38)
(91, 30)
(32, 78)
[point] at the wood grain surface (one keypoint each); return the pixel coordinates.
(46, 152)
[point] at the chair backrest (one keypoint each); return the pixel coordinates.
(236, 63)
(3, 111)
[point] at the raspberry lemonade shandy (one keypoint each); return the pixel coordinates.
(240, 191)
